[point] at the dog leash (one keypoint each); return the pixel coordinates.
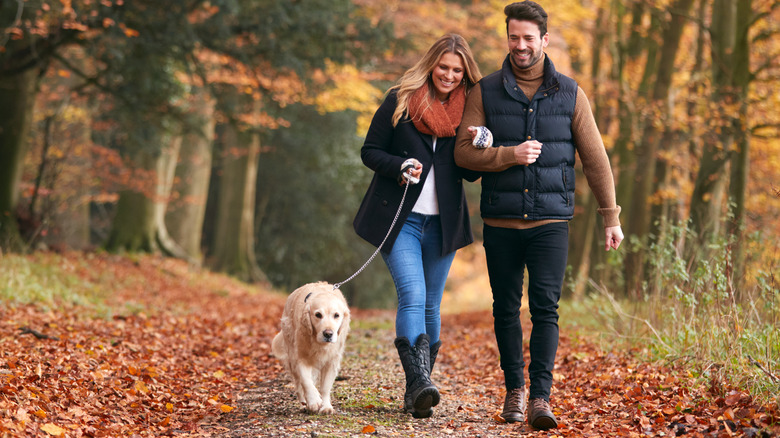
(409, 181)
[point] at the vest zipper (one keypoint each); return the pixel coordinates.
(565, 185)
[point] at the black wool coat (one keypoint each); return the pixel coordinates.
(384, 151)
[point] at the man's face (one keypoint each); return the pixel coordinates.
(525, 42)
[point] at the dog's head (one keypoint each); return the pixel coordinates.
(329, 316)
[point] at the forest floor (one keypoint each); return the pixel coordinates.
(174, 351)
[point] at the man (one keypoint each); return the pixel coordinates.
(538, 118)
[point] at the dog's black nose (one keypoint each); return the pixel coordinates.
(327, 334)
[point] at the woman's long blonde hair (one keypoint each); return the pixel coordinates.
(420, 74)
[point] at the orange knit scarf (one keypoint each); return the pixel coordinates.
(432, 118)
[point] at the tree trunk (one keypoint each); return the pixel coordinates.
(17, 94)
(583, 235)
(70, 191)
(166, 169)
(134, 226)
(233, 239)
(740, 168)
(645, 184)
(706, 207)
(624, 56)
(186, 211)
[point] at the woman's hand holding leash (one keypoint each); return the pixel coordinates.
(411, 170)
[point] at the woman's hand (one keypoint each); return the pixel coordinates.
(411, 167)
(481, 137)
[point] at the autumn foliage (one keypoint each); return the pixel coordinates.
(167, 353)
(161, 349)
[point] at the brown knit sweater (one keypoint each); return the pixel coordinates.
(587, 138)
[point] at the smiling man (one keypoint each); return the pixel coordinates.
(539, 119)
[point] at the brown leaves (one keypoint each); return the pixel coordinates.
(194, 340)
(179, 362)
(597, 393)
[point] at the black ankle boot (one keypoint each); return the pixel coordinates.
(421, 395)
(434, 353)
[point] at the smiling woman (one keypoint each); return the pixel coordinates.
(412, 129)
(446, 76)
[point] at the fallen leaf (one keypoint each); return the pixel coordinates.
(368, 429)
(733, 398)
(141, 386)
(52, 429)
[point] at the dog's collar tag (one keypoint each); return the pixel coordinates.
(307, 297)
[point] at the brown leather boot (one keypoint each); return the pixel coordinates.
(514, 406)
(539, 414)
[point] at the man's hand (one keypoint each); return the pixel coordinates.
(614, 236)
(527, 152)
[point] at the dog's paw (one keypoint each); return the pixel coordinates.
(327, 409)
(314, 404)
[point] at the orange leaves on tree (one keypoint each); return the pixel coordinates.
(348, 88)
(67, 7)
(130, 33)
(203, 13)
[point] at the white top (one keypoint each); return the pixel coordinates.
(428, 203)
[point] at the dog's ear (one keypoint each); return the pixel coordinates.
(309, 319)
(344, 327)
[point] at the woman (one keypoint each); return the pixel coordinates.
(413, 132)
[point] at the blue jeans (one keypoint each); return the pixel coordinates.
(419, 272)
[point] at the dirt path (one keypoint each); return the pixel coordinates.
(595, 394)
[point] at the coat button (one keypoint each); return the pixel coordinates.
(526, 190)
(525, 216)
(384, 203)
(529, 137)
(531, 110)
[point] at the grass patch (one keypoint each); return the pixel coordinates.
(46, 280)
(727, 333)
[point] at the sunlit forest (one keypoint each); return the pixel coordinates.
(228, 133)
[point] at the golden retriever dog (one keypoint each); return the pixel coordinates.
(315, 324)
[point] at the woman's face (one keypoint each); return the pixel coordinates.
(447, 75)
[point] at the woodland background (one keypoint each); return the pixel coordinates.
(227, 133)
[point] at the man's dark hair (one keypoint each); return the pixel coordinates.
(527, 11)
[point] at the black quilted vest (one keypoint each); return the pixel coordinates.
(544, 189)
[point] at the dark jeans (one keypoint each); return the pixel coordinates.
(543, 250)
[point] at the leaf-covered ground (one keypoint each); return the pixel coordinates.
(186, 353)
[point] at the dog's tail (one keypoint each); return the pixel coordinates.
(277, 346)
